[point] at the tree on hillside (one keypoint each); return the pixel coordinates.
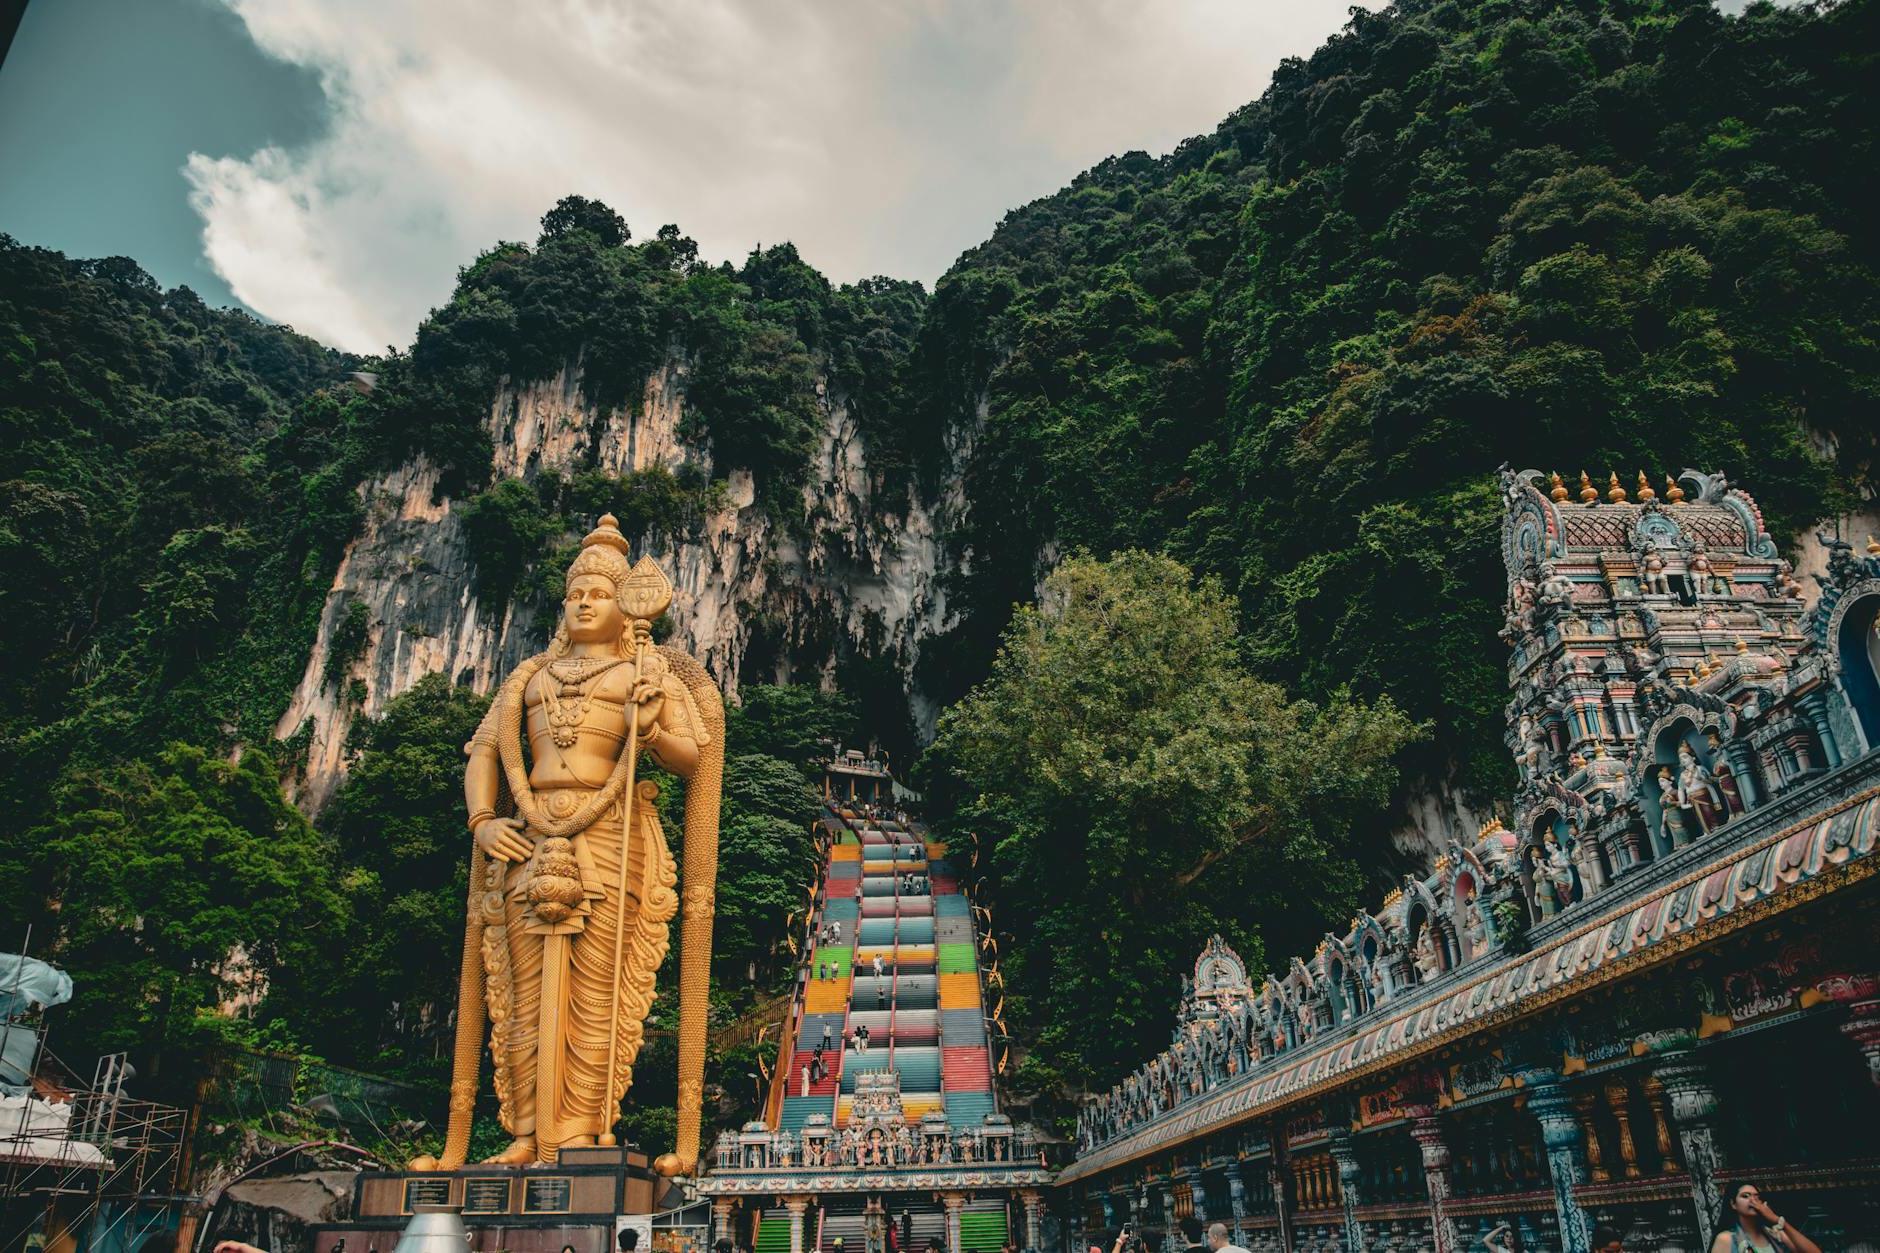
(171, 887)
(1132, 788)
(381, 996)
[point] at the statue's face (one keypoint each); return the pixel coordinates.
(590, 612)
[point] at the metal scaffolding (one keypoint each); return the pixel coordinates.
(101, 1179)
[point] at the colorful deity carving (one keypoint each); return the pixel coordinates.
(1698, 789)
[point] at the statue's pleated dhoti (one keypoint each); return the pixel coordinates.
(561, 991)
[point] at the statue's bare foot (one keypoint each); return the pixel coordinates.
(521, 1152)
(578, 1142)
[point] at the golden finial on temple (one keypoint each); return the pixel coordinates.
(1645, 491)
(1673, 493)
(1588, 493)
(1615, 491)
(1558, 489)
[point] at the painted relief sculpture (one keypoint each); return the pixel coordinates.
(572, 886)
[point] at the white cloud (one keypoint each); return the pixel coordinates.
(880, 137)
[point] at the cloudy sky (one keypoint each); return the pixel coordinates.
(331, 163)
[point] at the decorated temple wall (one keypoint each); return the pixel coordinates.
(1563, 1023)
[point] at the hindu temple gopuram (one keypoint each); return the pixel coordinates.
(1656, 982)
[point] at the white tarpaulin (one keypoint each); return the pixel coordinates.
(36, 1130)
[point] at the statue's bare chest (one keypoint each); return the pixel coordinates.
(566, 699)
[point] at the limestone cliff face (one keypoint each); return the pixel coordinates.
(856, 568)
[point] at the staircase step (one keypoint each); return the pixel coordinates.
(967, 1069)
(962, 1027)
(959, 991)
(969, 1109)
(773, 1235)
(797, 1109)
(954, 929)
(957, 958)
(983, 1230)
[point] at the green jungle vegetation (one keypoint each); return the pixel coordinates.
(1131, 789)
(1614, 236)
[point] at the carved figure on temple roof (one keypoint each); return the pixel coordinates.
(1530, 753)
(1586, 861)
(1546, 902)
(1710, 487)
(1559, 871)
(1842, 568)
(1473, 928)
(1788, 586)
(1555, 588)
(1704, 576)
(1698, 789)
(1641, 658)
(1674, 826)
(1726, 777)
(1653, 579)
(1424, 954)
(1610, 786)
(1519, 618)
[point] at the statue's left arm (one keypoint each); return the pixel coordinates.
(675, 737)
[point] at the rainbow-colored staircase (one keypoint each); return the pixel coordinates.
(904, 967)
(903, 964)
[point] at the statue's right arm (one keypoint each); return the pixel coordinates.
(500, 838)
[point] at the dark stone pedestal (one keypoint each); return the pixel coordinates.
(534, 1209)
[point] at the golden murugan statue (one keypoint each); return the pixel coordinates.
(571, 881)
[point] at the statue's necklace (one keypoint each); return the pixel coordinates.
(566, 694)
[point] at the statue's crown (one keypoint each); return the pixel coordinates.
(641, 587)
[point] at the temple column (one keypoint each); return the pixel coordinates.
(1033, 1202)
(1428, 1133)
(1276, 1173)
(1560, 1132)
(1583, 1105)
(1171, 1233)
(1693, 1111)
(1661, 1125)
(1815, 708)
(1198, 1193)
(1619, 1101)
(1345, 1160)
(796, 1205)
(954, 1202)
(1236, 1199)
(722, 1229)
(1743, 766)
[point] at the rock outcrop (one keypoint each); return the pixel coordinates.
(859, 568)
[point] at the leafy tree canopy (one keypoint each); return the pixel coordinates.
(1132, 788)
